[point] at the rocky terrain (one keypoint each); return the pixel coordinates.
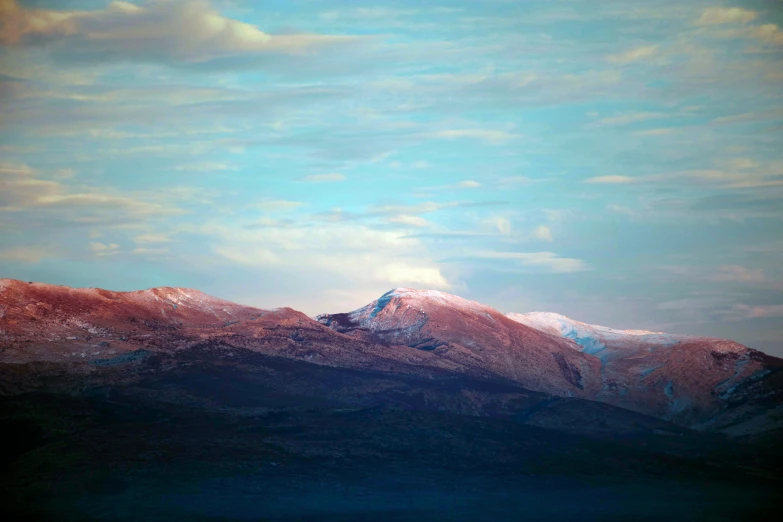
(170, 404)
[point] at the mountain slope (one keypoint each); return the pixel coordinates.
(99, 337)
(704, 382)
(473, 336)
(182, 346)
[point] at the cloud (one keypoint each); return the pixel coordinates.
(405, 219)
(737, 207)
(611, 179)
(320, 178)
(270, 222)
(634, 55)
(385, 213)
(619, 209)
(724, 274)
(773, 113)
(725, 15)
(403, 273)
(64, 173)
(15, 169)
(542, 232)
(173, 31)
(768, 33)
(626, 119)
(104, 249)
(491, 136)
(742, 163)
(279, 205)
(465, 184)
(429, 206)
(348, 250)
(544, 261)
(151, 252)
(741, 274)
(744, 177)
(152, 238)
(416, 208)
(22, 192)
(158, 112)
(742, 311)
(26, 254)
(206, 166)
(501, 224)
(696, 309)
(654, 132)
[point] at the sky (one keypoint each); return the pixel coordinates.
(619, 162)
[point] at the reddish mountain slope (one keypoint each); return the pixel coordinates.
(691, 380)
(698, 382)
(473, 336)
(48, 322)
(705, 383)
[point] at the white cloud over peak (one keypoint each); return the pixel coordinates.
(347, 250)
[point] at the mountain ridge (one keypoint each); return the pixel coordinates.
(709, 384)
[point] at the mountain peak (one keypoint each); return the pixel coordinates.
(429, 298)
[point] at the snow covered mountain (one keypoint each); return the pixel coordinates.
(677, 377)
(705, 383)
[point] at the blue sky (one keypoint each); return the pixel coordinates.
(617, 161)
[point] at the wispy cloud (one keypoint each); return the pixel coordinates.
(634, 55)
(491, 136)
(611, 179)
(206, 167)
(627, 119)
(743, 311)
(745, 176)
(152, 238)
(725, 15)
(321, 178)
(620, 209)
(104, 249)
(276, 205)
(27, 254)
(543, 261)
(460, 185)
(655, 132)
(21, 190)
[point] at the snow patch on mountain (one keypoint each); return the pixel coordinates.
(592, 339)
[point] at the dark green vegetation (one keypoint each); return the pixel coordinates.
(216, 433)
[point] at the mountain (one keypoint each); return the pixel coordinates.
(169, 404)
(698, 381)
(702, 383)
(473, 338)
